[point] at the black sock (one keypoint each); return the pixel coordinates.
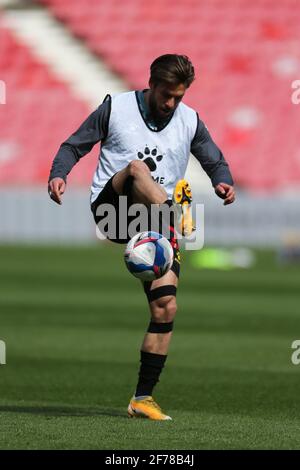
(151, 367)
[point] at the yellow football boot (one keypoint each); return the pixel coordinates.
(182, 200)
(146, 408)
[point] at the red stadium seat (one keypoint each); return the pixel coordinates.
(40, 112)
(245, 54)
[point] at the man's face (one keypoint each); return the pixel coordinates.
(164, 99)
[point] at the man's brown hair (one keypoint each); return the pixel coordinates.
(172, 69)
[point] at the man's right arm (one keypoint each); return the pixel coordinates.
(94, 129)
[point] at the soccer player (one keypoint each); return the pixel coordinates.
(146, 138)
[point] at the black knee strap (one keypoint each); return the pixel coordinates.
(162, 291)
(160, 327)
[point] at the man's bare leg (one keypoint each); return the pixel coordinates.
(145, 190)
(162, 310)
(156, 342)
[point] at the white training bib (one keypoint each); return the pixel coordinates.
(129, 138)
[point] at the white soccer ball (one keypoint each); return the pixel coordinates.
(148, 256)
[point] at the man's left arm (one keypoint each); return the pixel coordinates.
(213, 162)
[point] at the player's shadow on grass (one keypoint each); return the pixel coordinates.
(62, 411)
(259, 393)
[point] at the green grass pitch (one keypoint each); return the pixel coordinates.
(73, 320)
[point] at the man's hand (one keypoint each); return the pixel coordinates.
(225, 191)
(56, 189)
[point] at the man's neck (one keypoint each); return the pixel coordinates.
(146, 96)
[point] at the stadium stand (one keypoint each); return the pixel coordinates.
(40, 112)
(246, 57)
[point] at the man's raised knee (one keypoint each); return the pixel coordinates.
(164, 309)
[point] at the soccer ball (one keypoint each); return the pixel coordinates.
(148, 256)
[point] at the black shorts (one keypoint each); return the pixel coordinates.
(109, 196)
